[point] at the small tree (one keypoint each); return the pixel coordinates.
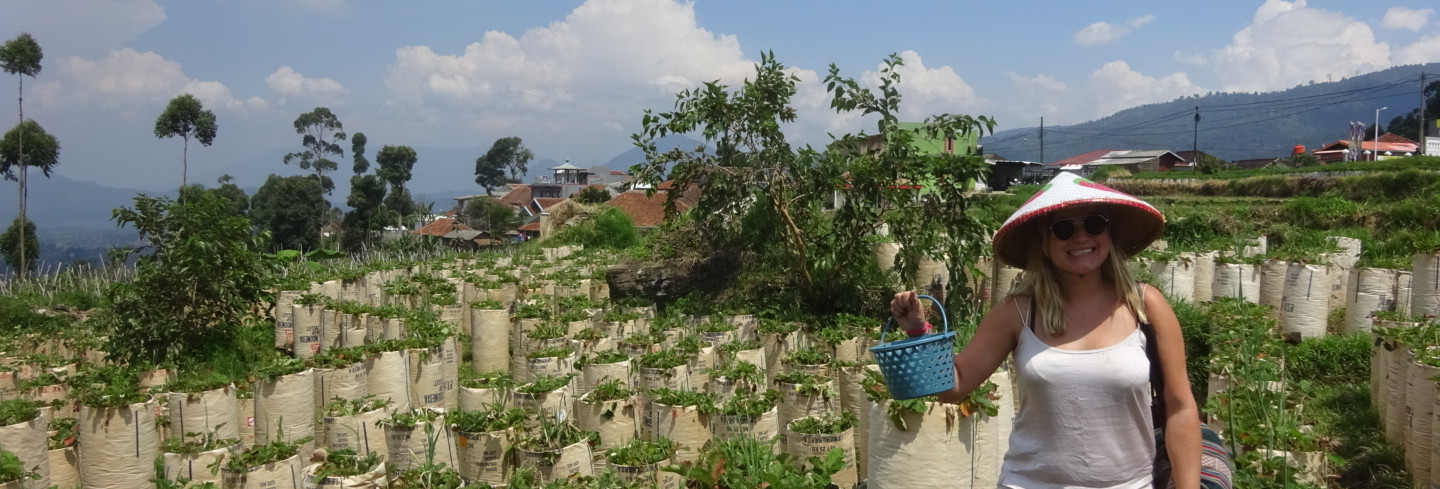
(591, 195)
(508, 156)
(367, 196)
(321, 132)
(397, 164)
(292, 209)
(10, 245)
(22, 56)
(1210, 165)
(187, 118)
(193, 290)
(25, 146)
(489, 214)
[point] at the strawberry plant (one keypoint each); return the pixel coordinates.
(548, 331)
(411, 418)
(16, 411)
(744, 376)
(590, 335)
(12, 469)
(828, 424)
(608, 357)
(346, 463)
(675, 397)
(62, 433)
(350, 407)
(609, 390)
(739, 346)
(497, 418)
(498, 379)
(663, 359)
(551, 436)
(545, 384)
(259, 455)
(747, 405)
(808, 356)
(487, 305)
(641, 452)
(192, 443)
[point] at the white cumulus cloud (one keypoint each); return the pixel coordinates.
(81, 27)
(1101, 33)
(1116, 86)
(292, 85)
(1425, 50)
(1288, 44)
(127, 79)
(1407, 18)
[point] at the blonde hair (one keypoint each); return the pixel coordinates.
(1042, 286)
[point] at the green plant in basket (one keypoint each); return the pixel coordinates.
(350, 407)
(63, 433)
(496, 418)
(738, 346)
(280, 367)
(982, 400)
(689, 345)
(548, 331)
(192, 442)
(827, 424)
(267, 453)
(13, 469)
(487, 305)
(748, 404)
(346, 463)
(589, 335)
(610, 390)
(551, 436)
(497, 379)
(663, 359)
(776, 326)
(107, 386)
(545, 384)
(16, 411)
(678, 397)
(641, 452)
(745, 376)
(608, 357)
(716, 324)
(411, 418)
(553, 352)
(808, 356)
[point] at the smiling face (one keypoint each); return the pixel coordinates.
(1082, 253)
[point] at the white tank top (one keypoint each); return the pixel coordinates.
(1085, 420)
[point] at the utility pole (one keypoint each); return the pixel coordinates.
(1421, 149)
(1195, 140)
(1042, 138)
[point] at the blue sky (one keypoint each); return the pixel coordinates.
(572, 78)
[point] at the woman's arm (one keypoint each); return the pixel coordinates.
(1182, 417)
(993, 341)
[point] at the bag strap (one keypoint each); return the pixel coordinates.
(1157, 371)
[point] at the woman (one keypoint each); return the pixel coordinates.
(1073, 327)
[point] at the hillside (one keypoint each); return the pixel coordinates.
(1232, 126)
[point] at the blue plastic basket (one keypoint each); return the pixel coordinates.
(920, 366)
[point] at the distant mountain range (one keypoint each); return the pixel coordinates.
(1232, 126)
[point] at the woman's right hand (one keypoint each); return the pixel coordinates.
(907, 311)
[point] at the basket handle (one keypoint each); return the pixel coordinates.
(944, 317)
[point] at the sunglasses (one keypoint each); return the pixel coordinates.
(1064, 229)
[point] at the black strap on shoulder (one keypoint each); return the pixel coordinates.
(1157, 371)
(1031, 319)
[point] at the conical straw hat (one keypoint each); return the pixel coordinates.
(1134, 224)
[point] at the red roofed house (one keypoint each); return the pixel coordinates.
(1391, 146)
(648, 211)
(1135, 161)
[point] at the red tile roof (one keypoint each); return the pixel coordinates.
(649, 210)
(533, 227)
(441, 227)
(1081, 159)
(519, 195)
(548, 202)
